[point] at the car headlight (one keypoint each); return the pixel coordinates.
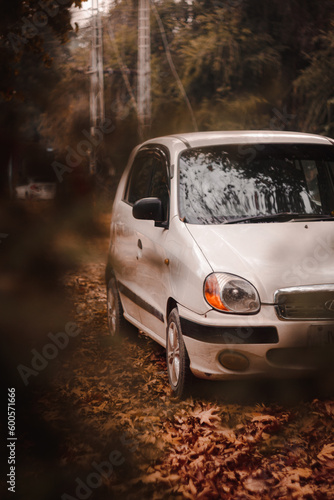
(230, 293)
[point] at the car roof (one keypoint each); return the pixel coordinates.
(200, 139)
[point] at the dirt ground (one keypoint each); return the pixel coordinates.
(97, 421)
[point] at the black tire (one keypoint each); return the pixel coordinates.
(116, 321)
(179, 373)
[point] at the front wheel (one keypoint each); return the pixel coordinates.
(179, 374)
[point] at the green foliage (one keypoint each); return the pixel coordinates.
(314, 87)
(31, 35)
(243, 64)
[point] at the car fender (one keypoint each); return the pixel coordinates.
(188, 268)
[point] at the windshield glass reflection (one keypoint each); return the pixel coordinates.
(219, 184)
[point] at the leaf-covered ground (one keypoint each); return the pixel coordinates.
(100, 421)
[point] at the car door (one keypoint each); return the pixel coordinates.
(150, 284)
(153, 270)
(124, 249)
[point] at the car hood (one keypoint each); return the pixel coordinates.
(270, 255)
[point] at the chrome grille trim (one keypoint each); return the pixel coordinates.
(313, 303)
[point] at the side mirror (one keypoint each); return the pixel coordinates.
(148, 209)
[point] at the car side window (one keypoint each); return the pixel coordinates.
(149, 178)
(160, 185)
(140, 179)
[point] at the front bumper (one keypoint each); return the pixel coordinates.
(271, 346)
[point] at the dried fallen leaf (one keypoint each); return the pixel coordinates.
(327, 453)
(299, 472)
(194, 449)
(255, 485)
(264, 418)
(207, 417)
(330, 408)
(192, 487)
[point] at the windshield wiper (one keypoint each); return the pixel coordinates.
(281, 217)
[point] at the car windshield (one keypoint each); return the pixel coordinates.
(225, 183)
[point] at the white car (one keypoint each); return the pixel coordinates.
(222, 250)
(36, 189)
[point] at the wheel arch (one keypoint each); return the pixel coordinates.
(171, 304)
(109, 273)
(178, 363)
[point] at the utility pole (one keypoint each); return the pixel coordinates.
(97, 113)
(144, 69)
